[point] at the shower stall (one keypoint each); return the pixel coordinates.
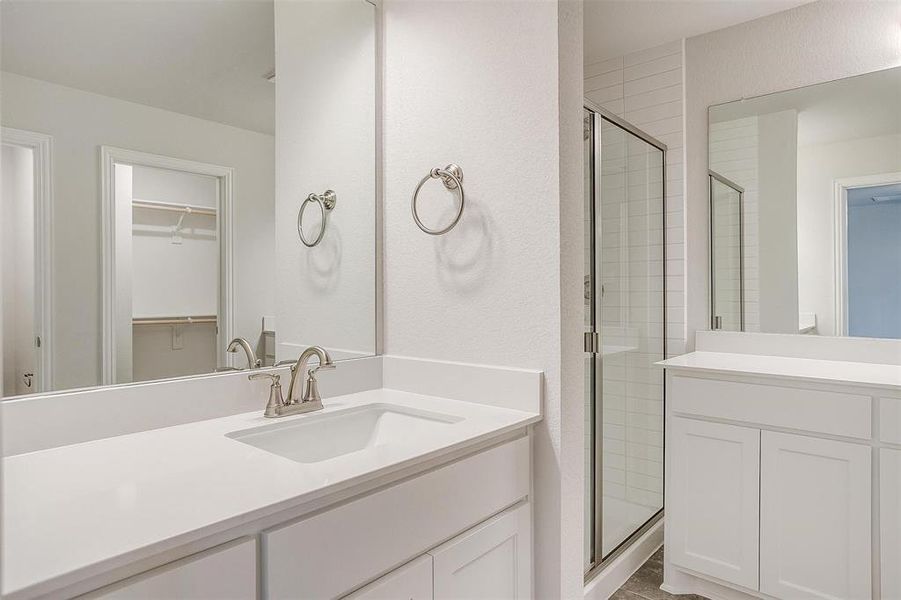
(625, 333)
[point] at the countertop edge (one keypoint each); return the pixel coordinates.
(674, 365)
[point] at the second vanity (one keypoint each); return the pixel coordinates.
(783, 474)
(409, 492)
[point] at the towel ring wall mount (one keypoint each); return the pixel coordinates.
(452, 177)
(326, 202)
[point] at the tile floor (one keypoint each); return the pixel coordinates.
(645, 583)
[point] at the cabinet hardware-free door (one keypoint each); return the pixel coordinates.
(413, 581)
(491, 561)
(814, 518)
(890, 522)
(712, 505)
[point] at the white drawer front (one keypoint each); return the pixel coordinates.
(890, 420)
(818, 411)
(364, 538)
(226, 572)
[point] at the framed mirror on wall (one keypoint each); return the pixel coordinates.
(156, 158)
(805, 210)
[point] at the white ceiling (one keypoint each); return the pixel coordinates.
(617, 27)
(197, 57)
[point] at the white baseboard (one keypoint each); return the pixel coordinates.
(623, 566)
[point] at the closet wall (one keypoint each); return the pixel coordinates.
(174, 274)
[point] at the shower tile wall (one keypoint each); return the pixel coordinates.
(733, 154)
(645, 88)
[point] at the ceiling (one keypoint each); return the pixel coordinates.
(617, 27)
(196, 57)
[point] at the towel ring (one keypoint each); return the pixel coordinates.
(326, 203)
(452, 176)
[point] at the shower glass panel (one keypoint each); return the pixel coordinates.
(726, 257)
(625, 334)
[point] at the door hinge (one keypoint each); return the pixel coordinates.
(591, 342)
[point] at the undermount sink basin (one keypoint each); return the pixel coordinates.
(318, 437)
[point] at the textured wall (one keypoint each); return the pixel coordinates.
(810, 44)
(476, 83)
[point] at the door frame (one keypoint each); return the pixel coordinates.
(41, 146)
(109, 156)
(840, 241)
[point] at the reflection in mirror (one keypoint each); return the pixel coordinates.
(726, 298)
(820, 219)
(143, 229)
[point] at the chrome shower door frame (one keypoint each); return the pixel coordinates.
(598, 115)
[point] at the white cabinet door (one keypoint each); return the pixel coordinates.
(227, 572)
(890, 522)
(488, 562)
(815, 533)
(712, 501)
(413, 581)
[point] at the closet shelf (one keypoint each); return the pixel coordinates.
(189, 320)
(173, 207)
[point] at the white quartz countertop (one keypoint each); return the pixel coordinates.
(831, 371)
(75, 511)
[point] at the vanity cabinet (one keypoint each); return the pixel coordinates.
(814, 518)
(479, 503)
(713, 501)
(227, 572)
(762, 498)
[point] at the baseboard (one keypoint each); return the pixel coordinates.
(614, 575)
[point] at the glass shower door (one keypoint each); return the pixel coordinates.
(626, 334)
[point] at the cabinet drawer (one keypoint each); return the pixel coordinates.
(227, 572)
(890, 420)
(372, 535)
(835, 413)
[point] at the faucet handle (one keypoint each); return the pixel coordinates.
(276, 400)
(275, 377)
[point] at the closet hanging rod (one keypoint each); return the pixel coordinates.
(192, 320)
(173, 207)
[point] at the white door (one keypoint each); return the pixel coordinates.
(227, 572)
(712, 502)
(890, 522)
(491, 561)
(814, 518)
(413, 581)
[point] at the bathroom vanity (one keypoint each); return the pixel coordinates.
(385, 493)
(783, 472)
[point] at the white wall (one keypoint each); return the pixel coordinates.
(810, 44)
(476, 83)
(819, 165)
(325, 111)
(778, 221)
(18, 269)
(80, 122)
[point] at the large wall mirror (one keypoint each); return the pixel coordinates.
(178, 175)
(805, 207)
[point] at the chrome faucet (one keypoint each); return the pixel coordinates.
(309, 399)
(252, 361)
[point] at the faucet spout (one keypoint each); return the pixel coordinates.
(310, 391)
(252, 361)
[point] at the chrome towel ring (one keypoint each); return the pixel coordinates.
(326, 203)
(452, 176)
